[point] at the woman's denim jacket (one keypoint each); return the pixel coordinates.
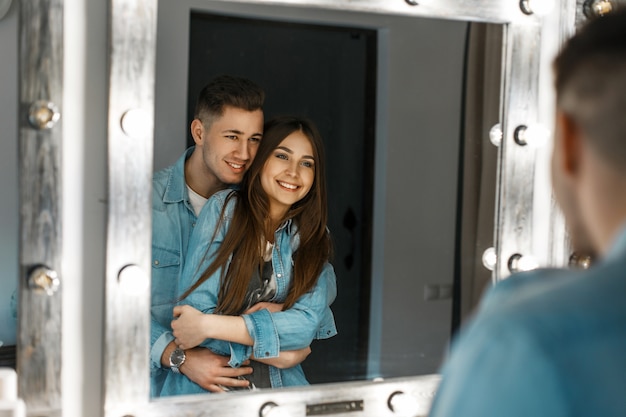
(309, 318)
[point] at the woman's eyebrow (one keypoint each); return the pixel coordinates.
(284, 148)
(289, 151)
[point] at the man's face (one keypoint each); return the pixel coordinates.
(230, 144)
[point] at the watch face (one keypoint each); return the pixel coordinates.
(178, 357)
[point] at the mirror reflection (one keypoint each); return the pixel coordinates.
(411, 181)
(9, 213)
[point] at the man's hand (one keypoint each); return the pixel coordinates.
(211, 371)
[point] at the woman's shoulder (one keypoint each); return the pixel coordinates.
(225, 194)
(217, 201)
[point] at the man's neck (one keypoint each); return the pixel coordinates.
(203, 184)
(608, 200)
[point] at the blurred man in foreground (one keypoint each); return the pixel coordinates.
(553, 342)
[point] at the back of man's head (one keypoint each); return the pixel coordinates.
(591, 85)
(227, 90)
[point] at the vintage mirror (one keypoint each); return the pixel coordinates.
(393, 211)
(520, 44)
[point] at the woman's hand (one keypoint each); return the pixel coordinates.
(272, 307)
(189, 326)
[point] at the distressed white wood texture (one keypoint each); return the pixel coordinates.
(131, 88)
(39, 318)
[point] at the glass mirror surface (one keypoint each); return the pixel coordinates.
(411, 182)
(9, 206)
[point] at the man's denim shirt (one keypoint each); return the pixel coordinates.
(309, 318)
(173, 219)
(543, 343)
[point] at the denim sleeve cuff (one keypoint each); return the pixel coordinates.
(158, 348)
(238, 354)
(263, 332)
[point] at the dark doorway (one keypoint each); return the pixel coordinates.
(328, 74)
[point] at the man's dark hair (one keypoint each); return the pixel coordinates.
(591, 84)
(227, 90)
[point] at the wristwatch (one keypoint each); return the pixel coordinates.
(177, 358)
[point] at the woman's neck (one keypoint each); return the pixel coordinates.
(272, 223)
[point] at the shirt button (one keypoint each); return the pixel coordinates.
(267, 353)
(193, 224)
(279, 275)
(156, 262)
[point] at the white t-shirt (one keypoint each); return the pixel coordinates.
(196, 200)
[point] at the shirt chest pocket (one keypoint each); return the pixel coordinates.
(165, 272)
(165, 258)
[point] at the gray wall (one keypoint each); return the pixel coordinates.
(9, 213)
(418, 133)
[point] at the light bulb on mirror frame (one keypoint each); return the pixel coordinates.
(133, 280)
(597, 8)
(495, 135)
(403, 404)
(522, 263)
(43, 115)
(533, 135)
(537, 7)
(490, 258)
(134, 121)
(580, 260)
(271, 409)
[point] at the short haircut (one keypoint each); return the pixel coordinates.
(591, 85)
(227, 90)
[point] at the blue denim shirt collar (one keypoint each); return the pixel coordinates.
(176, 189)
(289, 226)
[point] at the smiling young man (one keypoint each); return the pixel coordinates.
(227, 129)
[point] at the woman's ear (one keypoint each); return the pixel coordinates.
(197, 131)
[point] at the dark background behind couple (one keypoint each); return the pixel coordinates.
(327, 74)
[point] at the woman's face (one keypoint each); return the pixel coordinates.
(288, 173)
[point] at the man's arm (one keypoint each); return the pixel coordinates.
(195, 322)
(288, 330)
(208, 369)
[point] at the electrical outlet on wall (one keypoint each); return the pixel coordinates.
(437, 292)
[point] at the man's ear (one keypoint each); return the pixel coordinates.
(197, 131)
(570, 143)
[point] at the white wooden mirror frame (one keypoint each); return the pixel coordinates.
(524, 208)
(126, 319)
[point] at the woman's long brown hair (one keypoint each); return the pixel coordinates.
(245, 238)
